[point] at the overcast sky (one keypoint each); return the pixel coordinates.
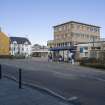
(34, 18)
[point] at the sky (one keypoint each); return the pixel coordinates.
(35, 19)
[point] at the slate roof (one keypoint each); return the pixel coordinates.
(20, 40)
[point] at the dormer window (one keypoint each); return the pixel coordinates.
(26, 44)
(14, 42)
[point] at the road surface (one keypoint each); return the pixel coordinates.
(64, 79)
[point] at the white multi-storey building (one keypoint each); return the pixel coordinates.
(20, 46)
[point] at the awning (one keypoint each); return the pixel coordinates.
(70, 48)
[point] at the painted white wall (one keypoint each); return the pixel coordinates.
(22, 49)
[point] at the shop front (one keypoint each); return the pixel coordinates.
(63, 54)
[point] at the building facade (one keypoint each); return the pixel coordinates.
(20, 46)
(90, 49)
(69, 34)
(40, 51)
(73, 32)
(4, 44)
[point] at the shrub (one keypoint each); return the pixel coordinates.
(88, 60)
(5, 56)
(98, 66)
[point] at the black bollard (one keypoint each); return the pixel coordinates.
(20, 78)
(0, 72)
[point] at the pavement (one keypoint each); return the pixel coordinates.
(10, 94)
(87, 84)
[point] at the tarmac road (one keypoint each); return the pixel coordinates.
(64, 79)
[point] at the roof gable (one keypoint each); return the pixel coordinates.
(20, 40)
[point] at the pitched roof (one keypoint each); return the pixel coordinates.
(76, 23)
(20, 40)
